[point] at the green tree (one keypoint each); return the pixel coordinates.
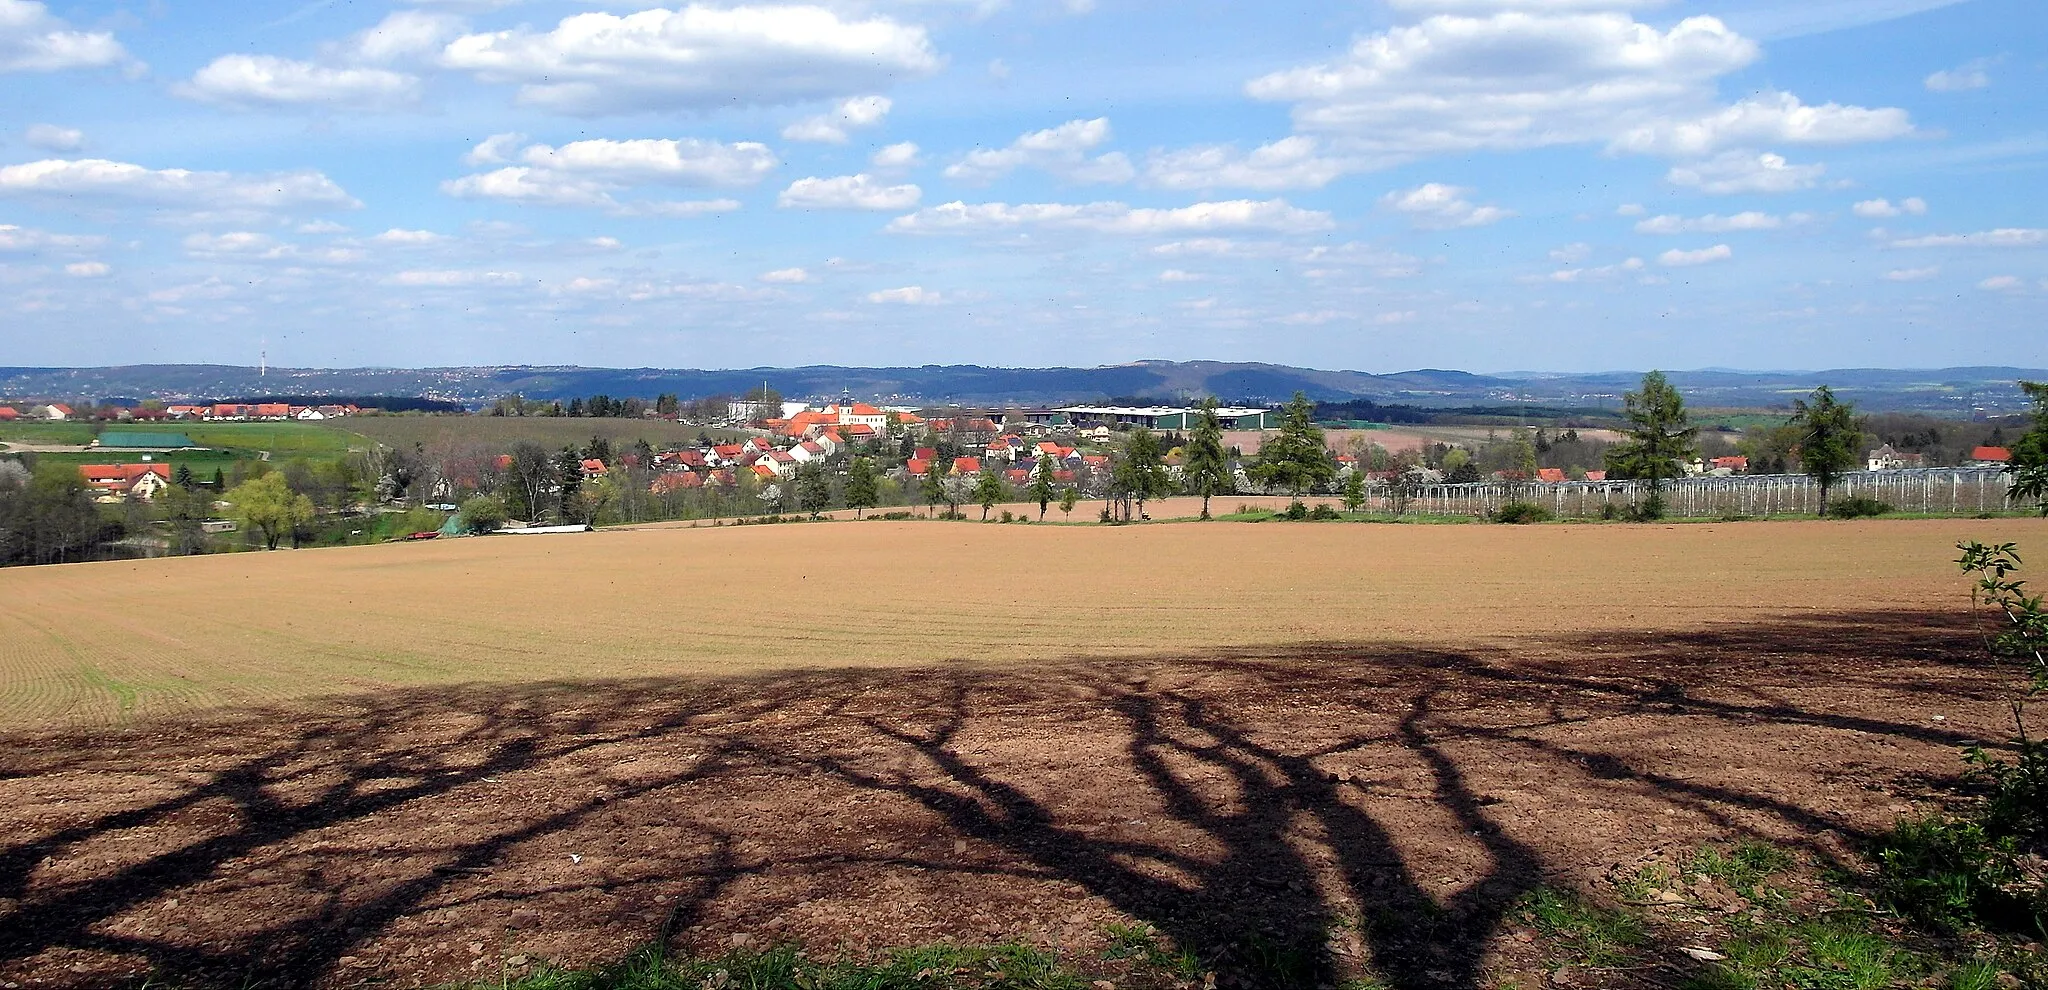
(989, 490)
(185, 513)
(2029, 464)
(569, 486)
(861, 491)
(268, 506)
(484, 514)
(933, 487)
(1354, 491)
(1068, 496)
(813, 493)
(1295, 458)
(1043, 487)
(1830, 439)
(183, 477)
(1208, 464)
(1139, 473)
(1660, 438)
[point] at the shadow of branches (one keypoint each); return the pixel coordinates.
(1293, 816)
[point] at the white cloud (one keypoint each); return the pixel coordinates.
(520, 184)
(424, 278)
(1775, 118)
(50, 137)
(1289, 163)
(24, 240)
(1377, 260)
(1572, 254)
(896, 158)
(244, 246)
(409, 238)
(696, 58)
(848, 192)
(2002, 283)
(1630, 210)
(686, 161)
(1715, 224)
(88, 269)
(1744, 172)
(1967, 76)
(1538, 6)
(787, 276)
(1061, 151)
(1214, 247)
(1513, 79)
(909, 295)
(831, 128)
(1434, 205)
(33, 41)
(2002, 237)
(89, 178)
(266, 80)
(1912, 274)
(497, 149)
(402, 36)
(1594, 274)
(675, 209)
(1676, 258)
(1114, 218)
(1880, 208)
(1176, 275)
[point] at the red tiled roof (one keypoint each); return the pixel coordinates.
(966, 465)
(918, 465)
(593, 466)
(1596, 476)
(120, 477)
(8, 412)
(1017, 477)
(1552, 475)
(860, 430)
(1991, 454)
(927, 453)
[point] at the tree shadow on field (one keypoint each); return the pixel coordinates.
(1295, 816)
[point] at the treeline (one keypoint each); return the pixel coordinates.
(384, 403)
(668, 405)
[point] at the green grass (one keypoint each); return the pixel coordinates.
(931, 967)
(501, 433)
(1743, 867)
(46, 433)
(1589, 934)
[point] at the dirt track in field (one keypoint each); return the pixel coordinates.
(1294, 815)
(103, 643)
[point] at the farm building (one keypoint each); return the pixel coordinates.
(115, 481)
(1168, 417)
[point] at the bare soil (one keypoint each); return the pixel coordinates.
(1298, 811)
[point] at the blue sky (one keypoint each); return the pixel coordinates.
(1489, 185)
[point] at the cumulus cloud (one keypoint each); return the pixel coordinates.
(1630, 210)
(50, 137)
(89, 179)
(1912, 274)
(32, 40)
(1436, 206)
(1113, 218)
(685, 161)
(1676, 258)
(27, 240)
(409, 238)
(831, 128)
(1061, 151)
(267, 80)
(848, 192)
(1289, 163)
(1599, 273)
(2002, 283)
(1715, 224)
(1882, 208)
(1742, 172)
(1771, 119)
(1572, 254)
(452, 278)
(909, 295)
(1331, 259)
(1177, 275)
(592, 173)
(2002, 237)
(896, 158)
(696, 58)
(88, 269)
(787, 276)
(242, 245)
(1967, 76)
(1214, 247)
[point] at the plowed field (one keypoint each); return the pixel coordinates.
(1297, 750)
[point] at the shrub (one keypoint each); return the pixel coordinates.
(484, 514)
(1007, 517)
(1323, 513)
(1295, 512)
(1609, 511)
(1860, 507)
(1520, 513)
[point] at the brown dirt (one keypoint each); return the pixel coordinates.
(103, 643)
(1343, 802)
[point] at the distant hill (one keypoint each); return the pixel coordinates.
(1950, 391)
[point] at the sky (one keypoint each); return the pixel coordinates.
(1486, 185)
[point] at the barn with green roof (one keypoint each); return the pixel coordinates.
(138, 440)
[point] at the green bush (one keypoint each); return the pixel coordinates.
(1519, 513)
(1944, 872)
(1296, 512)
(1323, 513)
(1860, 507)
